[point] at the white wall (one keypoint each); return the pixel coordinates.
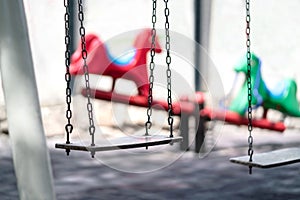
(274, 32)
(106, 18)
(275, 35)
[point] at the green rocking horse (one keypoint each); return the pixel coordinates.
(282, 98)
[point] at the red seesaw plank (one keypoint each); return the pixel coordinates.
(142, 101)
(234, 118)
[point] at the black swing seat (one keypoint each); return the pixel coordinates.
(123, 143)
(270, 159)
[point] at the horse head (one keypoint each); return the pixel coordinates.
(281, 97)
(138, 71)
(144, 41)
(242, 66)
(131, 66)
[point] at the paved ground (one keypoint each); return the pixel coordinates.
(213, 177)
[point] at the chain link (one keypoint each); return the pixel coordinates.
(148, 124)
(168, 71)
(86, 71)
(248, 43)
(68, 126)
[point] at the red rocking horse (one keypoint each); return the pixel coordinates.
(131, 66)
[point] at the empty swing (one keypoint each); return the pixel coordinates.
(268, 159)
(145, 140)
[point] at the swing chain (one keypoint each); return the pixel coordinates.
(248, 43)
(84, 55)
(68, 126)
(168, 71)
(148, 124)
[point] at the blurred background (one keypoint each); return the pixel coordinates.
(274, 38)
(274, 35)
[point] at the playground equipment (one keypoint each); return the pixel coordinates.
(132, 65)
(284, 100)
(145, 140)
(283, 97)
(145, 99)
(237, 119)
(31, 158)
(100, 62)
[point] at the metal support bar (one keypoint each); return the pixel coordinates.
(197, 35)
(200, 130)
(30, 154)
(184, 131)
(202, 14)
(73, 30)
(73, 26)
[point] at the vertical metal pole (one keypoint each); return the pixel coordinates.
(184, 131)
(30, 154)
(197, 35)
(73, 26)
(200, 132)
(73, 31)
(202, 11)
(202, 30)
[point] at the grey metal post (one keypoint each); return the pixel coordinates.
(202, 14)
(197, 36)
(30, 154)
(184, 131)
(74, 30)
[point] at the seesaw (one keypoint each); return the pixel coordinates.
(135, 69)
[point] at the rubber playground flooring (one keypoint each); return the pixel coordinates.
(188, 177)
